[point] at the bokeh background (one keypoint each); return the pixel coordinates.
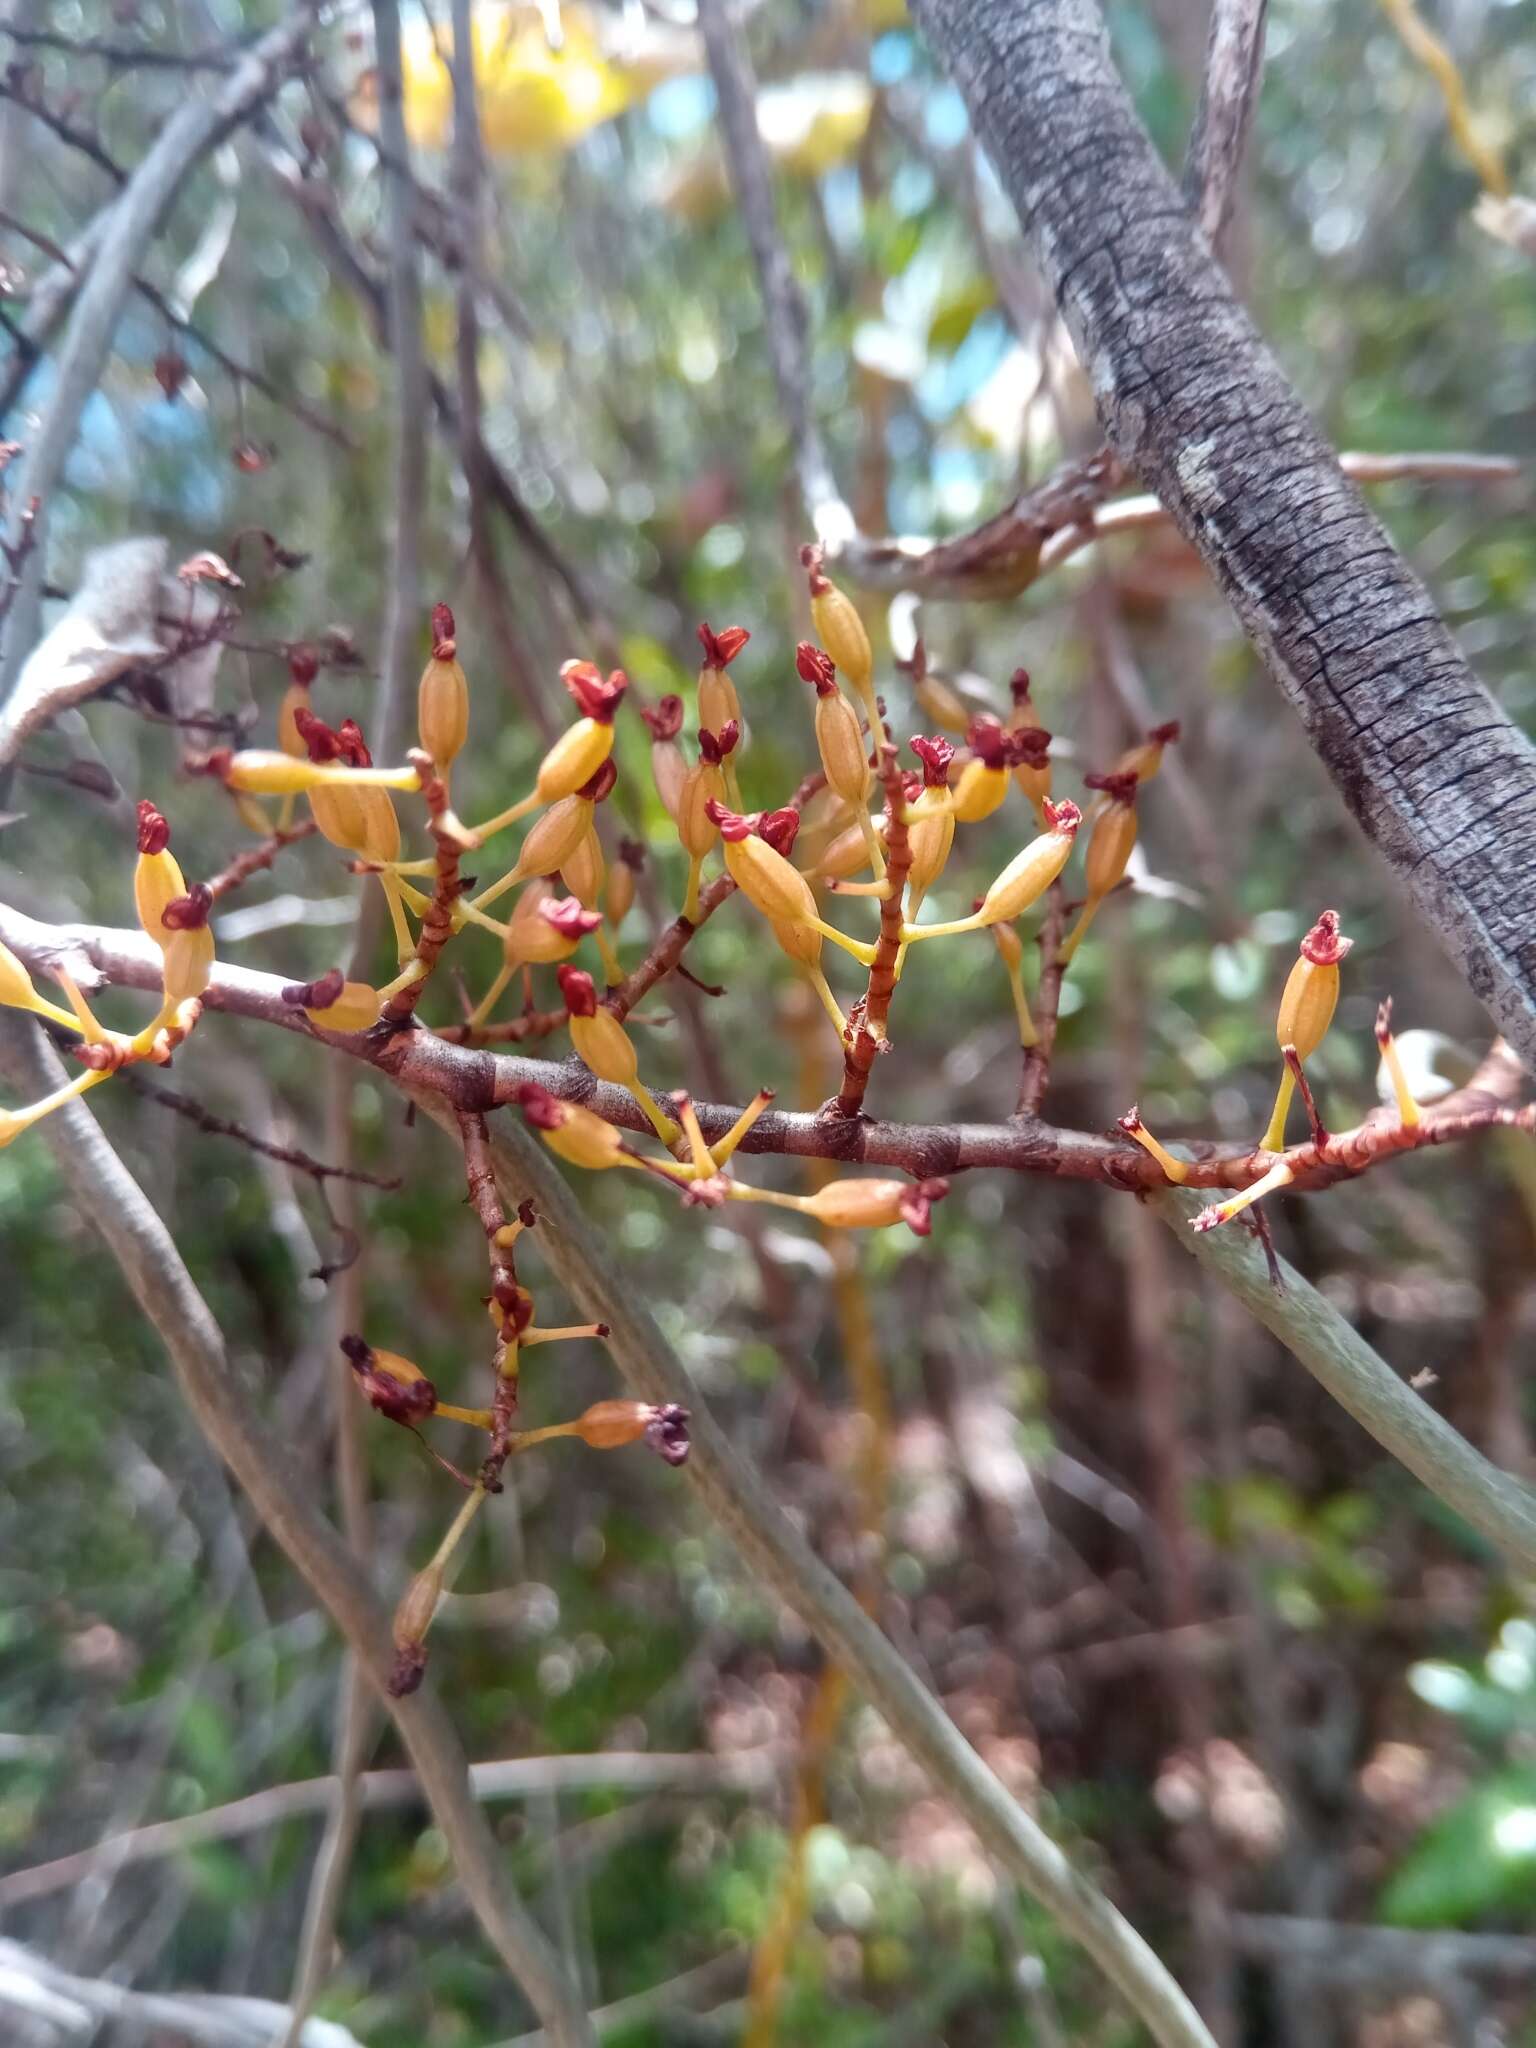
(1255, 1679)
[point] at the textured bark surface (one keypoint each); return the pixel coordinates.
(1193, 401)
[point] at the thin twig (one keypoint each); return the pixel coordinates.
(224, 1127)
(258, 857)
(1036, 1075)
(1234, 59)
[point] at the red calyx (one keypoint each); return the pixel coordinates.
(315, 995)
(154, 832)
(917, 1205)
(400, 1400)
(714, 746)
(188, 913)
(569, 919)
(733, 826)
(779, 829)
(721, 649)
(579, 991)
(1029, 746)
(599, 786)
(598, 700)
(988, 742)
(541, 1108)
(810, 561)
(322, 743)
(1324, 945)
(666, 719)
(445, 633)
(303, 665)
(1120, 789)
(1018, 686)
(1064, 817)
(812, 666)
(1164, 735)
(666, 1433)
(936, 755)
(353, 747)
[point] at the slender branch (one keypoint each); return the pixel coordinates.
(257, 858)
(116, 1206)
(1360, 1380)
(465, 1077)
(788, 325)
(1234, 59)
(743, 1508)
(224, 1127)
(1437, 776)
(408, 481)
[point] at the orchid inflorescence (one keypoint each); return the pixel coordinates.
(862, 827)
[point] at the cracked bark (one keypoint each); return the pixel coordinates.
(1192, 399)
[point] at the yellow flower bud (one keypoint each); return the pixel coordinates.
(875, 1204)
(768, 881)
(840, 741)
(264, 772)
(619, 897)
(1030, 873)
(605, 1045)
(1312, 988)
(339, 815)
(610, 1425)
(157, 881)
(553, 838)
(696, 830)
(574, 759)
(838, 625)
(442, 699)
(571, 1132)
(188, 963)
(355, 1009)
(583, 869)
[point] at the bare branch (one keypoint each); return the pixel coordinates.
(1234, 59)
(1360, 1380)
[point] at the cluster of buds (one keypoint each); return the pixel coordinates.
(176, 918)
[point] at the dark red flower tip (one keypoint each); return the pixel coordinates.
(315, 995)
(779, 829)
(405, 1401)
(1063, 817)
(598, 700)
(988, 742)
(597, 788)
(665, 718)
(733, 826)
(812, 666)
(936, 754)
(721, 649)
(351, 744)
(911, 786)
(811, 558)
(543, 1110)
(666, 1432)
(1029, 746)
(1164, 735)
(916, 1205)
(188, 913)
(569, 918)
(407, 1671)
(154, 832)
(578, 989)
(1324, 945)
(322, 744)
(632, 854)
(445, 633)
(1120, 789)
(1018, 686)
(714, 746)
(303, 665)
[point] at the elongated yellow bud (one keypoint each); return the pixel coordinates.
(554, 838)
(442, 698)
(619, 896)
(719, 704)
(768, 881)
(264, 773)
(1307, 1005)
(838, 625)
(875, 1204)
(583, 870)
(574, 759)
(157, 876)
(1023, 882)
(571, 1132)
(188, 963)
